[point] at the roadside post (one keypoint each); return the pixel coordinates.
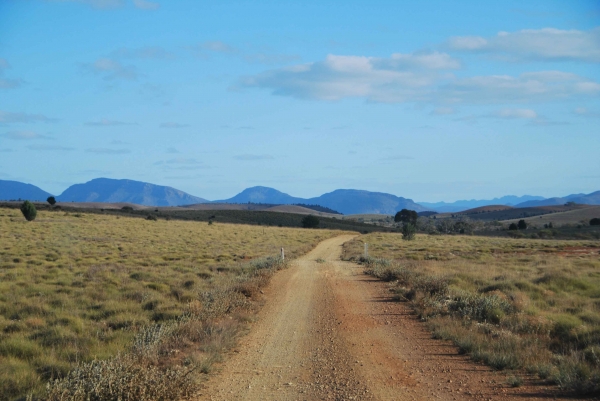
(366, 250)
(282, 254)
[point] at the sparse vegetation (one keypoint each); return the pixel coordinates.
(74, 290)
(28, 210)
(408, 231)
(530, 306)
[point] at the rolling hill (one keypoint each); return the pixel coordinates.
(141, 193)
(14, 190)
(461, 205)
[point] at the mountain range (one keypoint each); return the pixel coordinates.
(346, 201)
(460, 205)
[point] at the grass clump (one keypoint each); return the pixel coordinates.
(529, 305)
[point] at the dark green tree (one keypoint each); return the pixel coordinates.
(595, 221)
(513, 226)
(408, 231)
(28, 210)
(522, 225)
(310, 221)
(406, 216)
(51, 200)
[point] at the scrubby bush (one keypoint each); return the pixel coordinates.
(28, 210)
(310, 221)
(522, 225)
(408, 231)
(51, 200)
(513, 226)
(595, 221)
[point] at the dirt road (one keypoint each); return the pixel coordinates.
(328, 331)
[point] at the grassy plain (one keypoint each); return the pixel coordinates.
(578, 216)
(522, 304)
(75, 287)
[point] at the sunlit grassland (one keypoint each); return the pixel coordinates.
(75, 287)
(522, 304)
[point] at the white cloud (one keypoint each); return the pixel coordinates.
(528, 87)
(541, 44)
(8, 83)
(515, 114)
(9, 118)
(216, 46)
(101, 4)
(111, 69)
(399, 78)
(24, 135)
(146, 5)
(585, 112)
(419, 77)
(202, 50)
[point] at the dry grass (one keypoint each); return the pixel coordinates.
(579, 216)
(75, 288)
(513, 304)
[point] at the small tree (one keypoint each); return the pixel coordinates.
(513, 226)
(406, 216)
(408, 231)
(522, 225)
(51, 200)
(28, 210)
(310, 221)
(595, 221)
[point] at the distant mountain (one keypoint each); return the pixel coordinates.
(354, 201)
(263, 195)
(589, 199)
(346, 201)
(460, 205)
(141, 193)
(15, 190)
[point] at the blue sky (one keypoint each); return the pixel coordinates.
(429, 100)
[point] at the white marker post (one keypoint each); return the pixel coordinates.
(366, 250)
(282, 254)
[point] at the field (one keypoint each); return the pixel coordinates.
(75, 287)
(277, 217)
(532, 306)
(578, 216)
(491, 213)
